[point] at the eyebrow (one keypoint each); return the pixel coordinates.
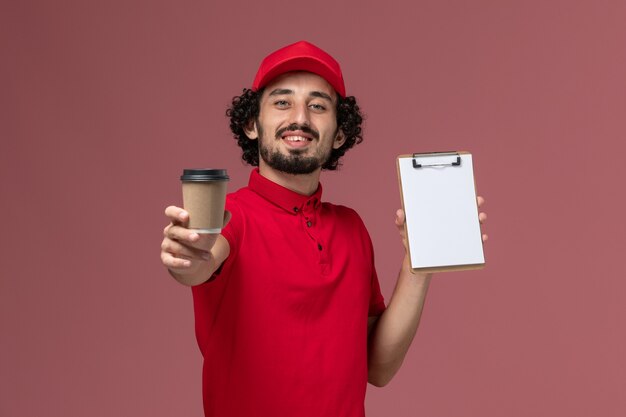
(320, 95)
(280, 92)
(284, 91)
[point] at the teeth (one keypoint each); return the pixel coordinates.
(296, 138)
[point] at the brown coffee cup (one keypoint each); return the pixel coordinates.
(204, 197)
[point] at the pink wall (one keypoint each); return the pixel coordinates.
(103, 103)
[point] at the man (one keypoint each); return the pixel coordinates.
(289, 315)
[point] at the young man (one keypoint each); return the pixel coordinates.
(289, 315)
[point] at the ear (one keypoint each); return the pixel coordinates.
(340, 139)
(251, 131)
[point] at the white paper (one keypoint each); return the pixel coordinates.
(441, 212)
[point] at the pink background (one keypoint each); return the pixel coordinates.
(103, 103)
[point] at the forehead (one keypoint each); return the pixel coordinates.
(300, 82)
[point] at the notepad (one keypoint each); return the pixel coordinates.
(439, 200)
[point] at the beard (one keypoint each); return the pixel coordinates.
(295, 162)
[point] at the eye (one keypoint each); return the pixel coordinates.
(281, 103)
(318, 107)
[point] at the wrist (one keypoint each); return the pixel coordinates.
(415, 276)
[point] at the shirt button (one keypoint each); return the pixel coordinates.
(319, 246)
(309, 224)
(295, 209)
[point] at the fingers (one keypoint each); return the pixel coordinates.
(180, 233)
(174, 263)
(174, 255)
(482, 217)
(190, 238)
(179, 257)
(177, 215)
(400, 218)
(183, 251)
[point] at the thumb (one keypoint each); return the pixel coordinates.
(400, 218)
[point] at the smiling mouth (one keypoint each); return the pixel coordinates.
(295, 133)
(293, 138)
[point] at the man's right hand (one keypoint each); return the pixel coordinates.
(191, 257)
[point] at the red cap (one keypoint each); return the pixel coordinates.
(300, 56)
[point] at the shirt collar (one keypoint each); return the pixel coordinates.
(281, 196)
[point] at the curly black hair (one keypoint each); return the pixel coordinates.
(245, 108)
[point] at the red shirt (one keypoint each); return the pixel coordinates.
(283, 326)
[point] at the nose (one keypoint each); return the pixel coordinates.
(300, 114)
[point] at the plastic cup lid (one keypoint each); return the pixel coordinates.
(204, 174)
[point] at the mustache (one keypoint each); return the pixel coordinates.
(293, 127)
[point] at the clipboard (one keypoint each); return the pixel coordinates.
(439, 201)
